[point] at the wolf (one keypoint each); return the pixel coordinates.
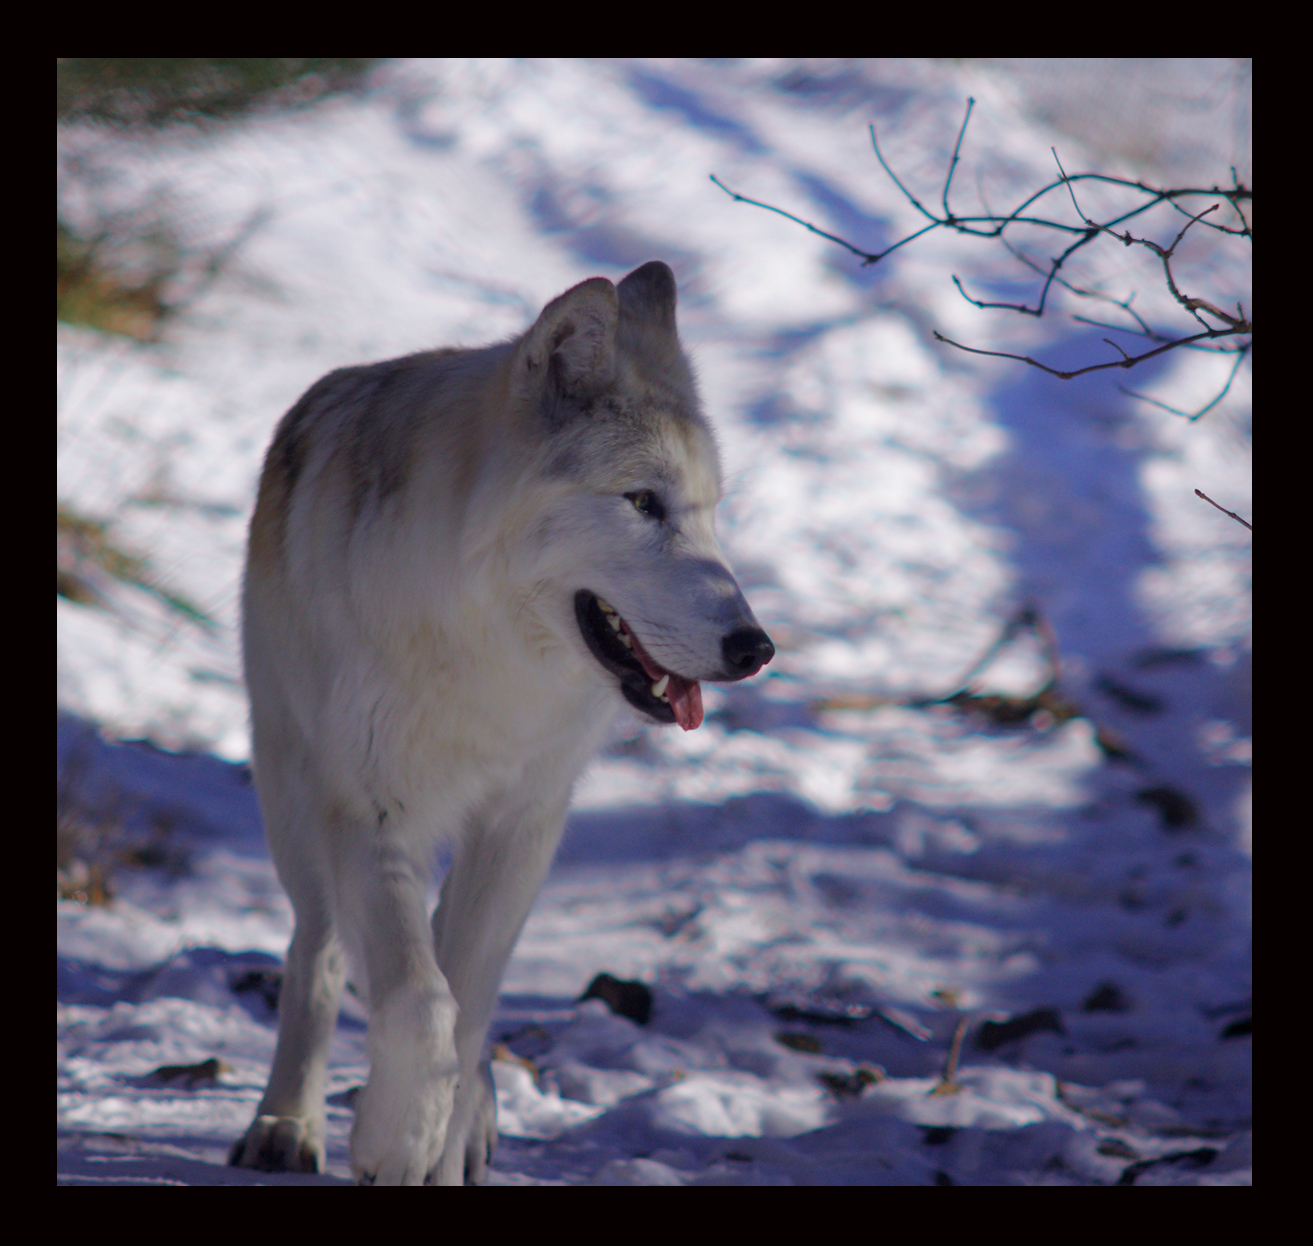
(461, 565)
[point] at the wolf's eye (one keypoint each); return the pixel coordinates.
(647, 503)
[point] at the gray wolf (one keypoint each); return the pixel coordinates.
(461, 565)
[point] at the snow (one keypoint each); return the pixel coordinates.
(825, 878)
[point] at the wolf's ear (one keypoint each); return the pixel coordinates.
(575, 336)
(647, 296)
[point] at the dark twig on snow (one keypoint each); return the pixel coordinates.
(948, 1083)
(1200, 493)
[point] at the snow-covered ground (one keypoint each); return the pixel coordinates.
(826, 879)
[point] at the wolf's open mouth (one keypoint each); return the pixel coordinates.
(647, 686)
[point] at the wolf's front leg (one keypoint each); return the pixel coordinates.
(485, 899)
(287, 1134)
(403, 1113)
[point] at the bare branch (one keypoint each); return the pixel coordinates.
(1200, 493)
(1124, 304)
(993, 225)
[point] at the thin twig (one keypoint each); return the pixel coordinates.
(1038, 309)
(1025, 617)
(1201, 494)
(1192, 305)
(1128, 362)
(952, 165)
(1240, 358)
(866, 255)
(1142, 331)
(1070, 190)
(911, 198)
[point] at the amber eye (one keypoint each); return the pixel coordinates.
(647, 503)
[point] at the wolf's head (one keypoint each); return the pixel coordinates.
(629, 565)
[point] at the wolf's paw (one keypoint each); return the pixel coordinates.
(395, 1142)
(279, 1144)
(406, 1162)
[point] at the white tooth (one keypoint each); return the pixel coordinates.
(659, 688)
(606, 608)
(624, 640)
(614, 621)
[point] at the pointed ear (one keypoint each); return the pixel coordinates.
(647, 296)
(575, 338)
(646, 336)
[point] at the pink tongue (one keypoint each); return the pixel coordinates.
(684, 695)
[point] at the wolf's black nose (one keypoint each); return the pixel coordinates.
(746, 651)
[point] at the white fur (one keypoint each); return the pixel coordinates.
(418, 676)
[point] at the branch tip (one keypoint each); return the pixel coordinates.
(1201, 494)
